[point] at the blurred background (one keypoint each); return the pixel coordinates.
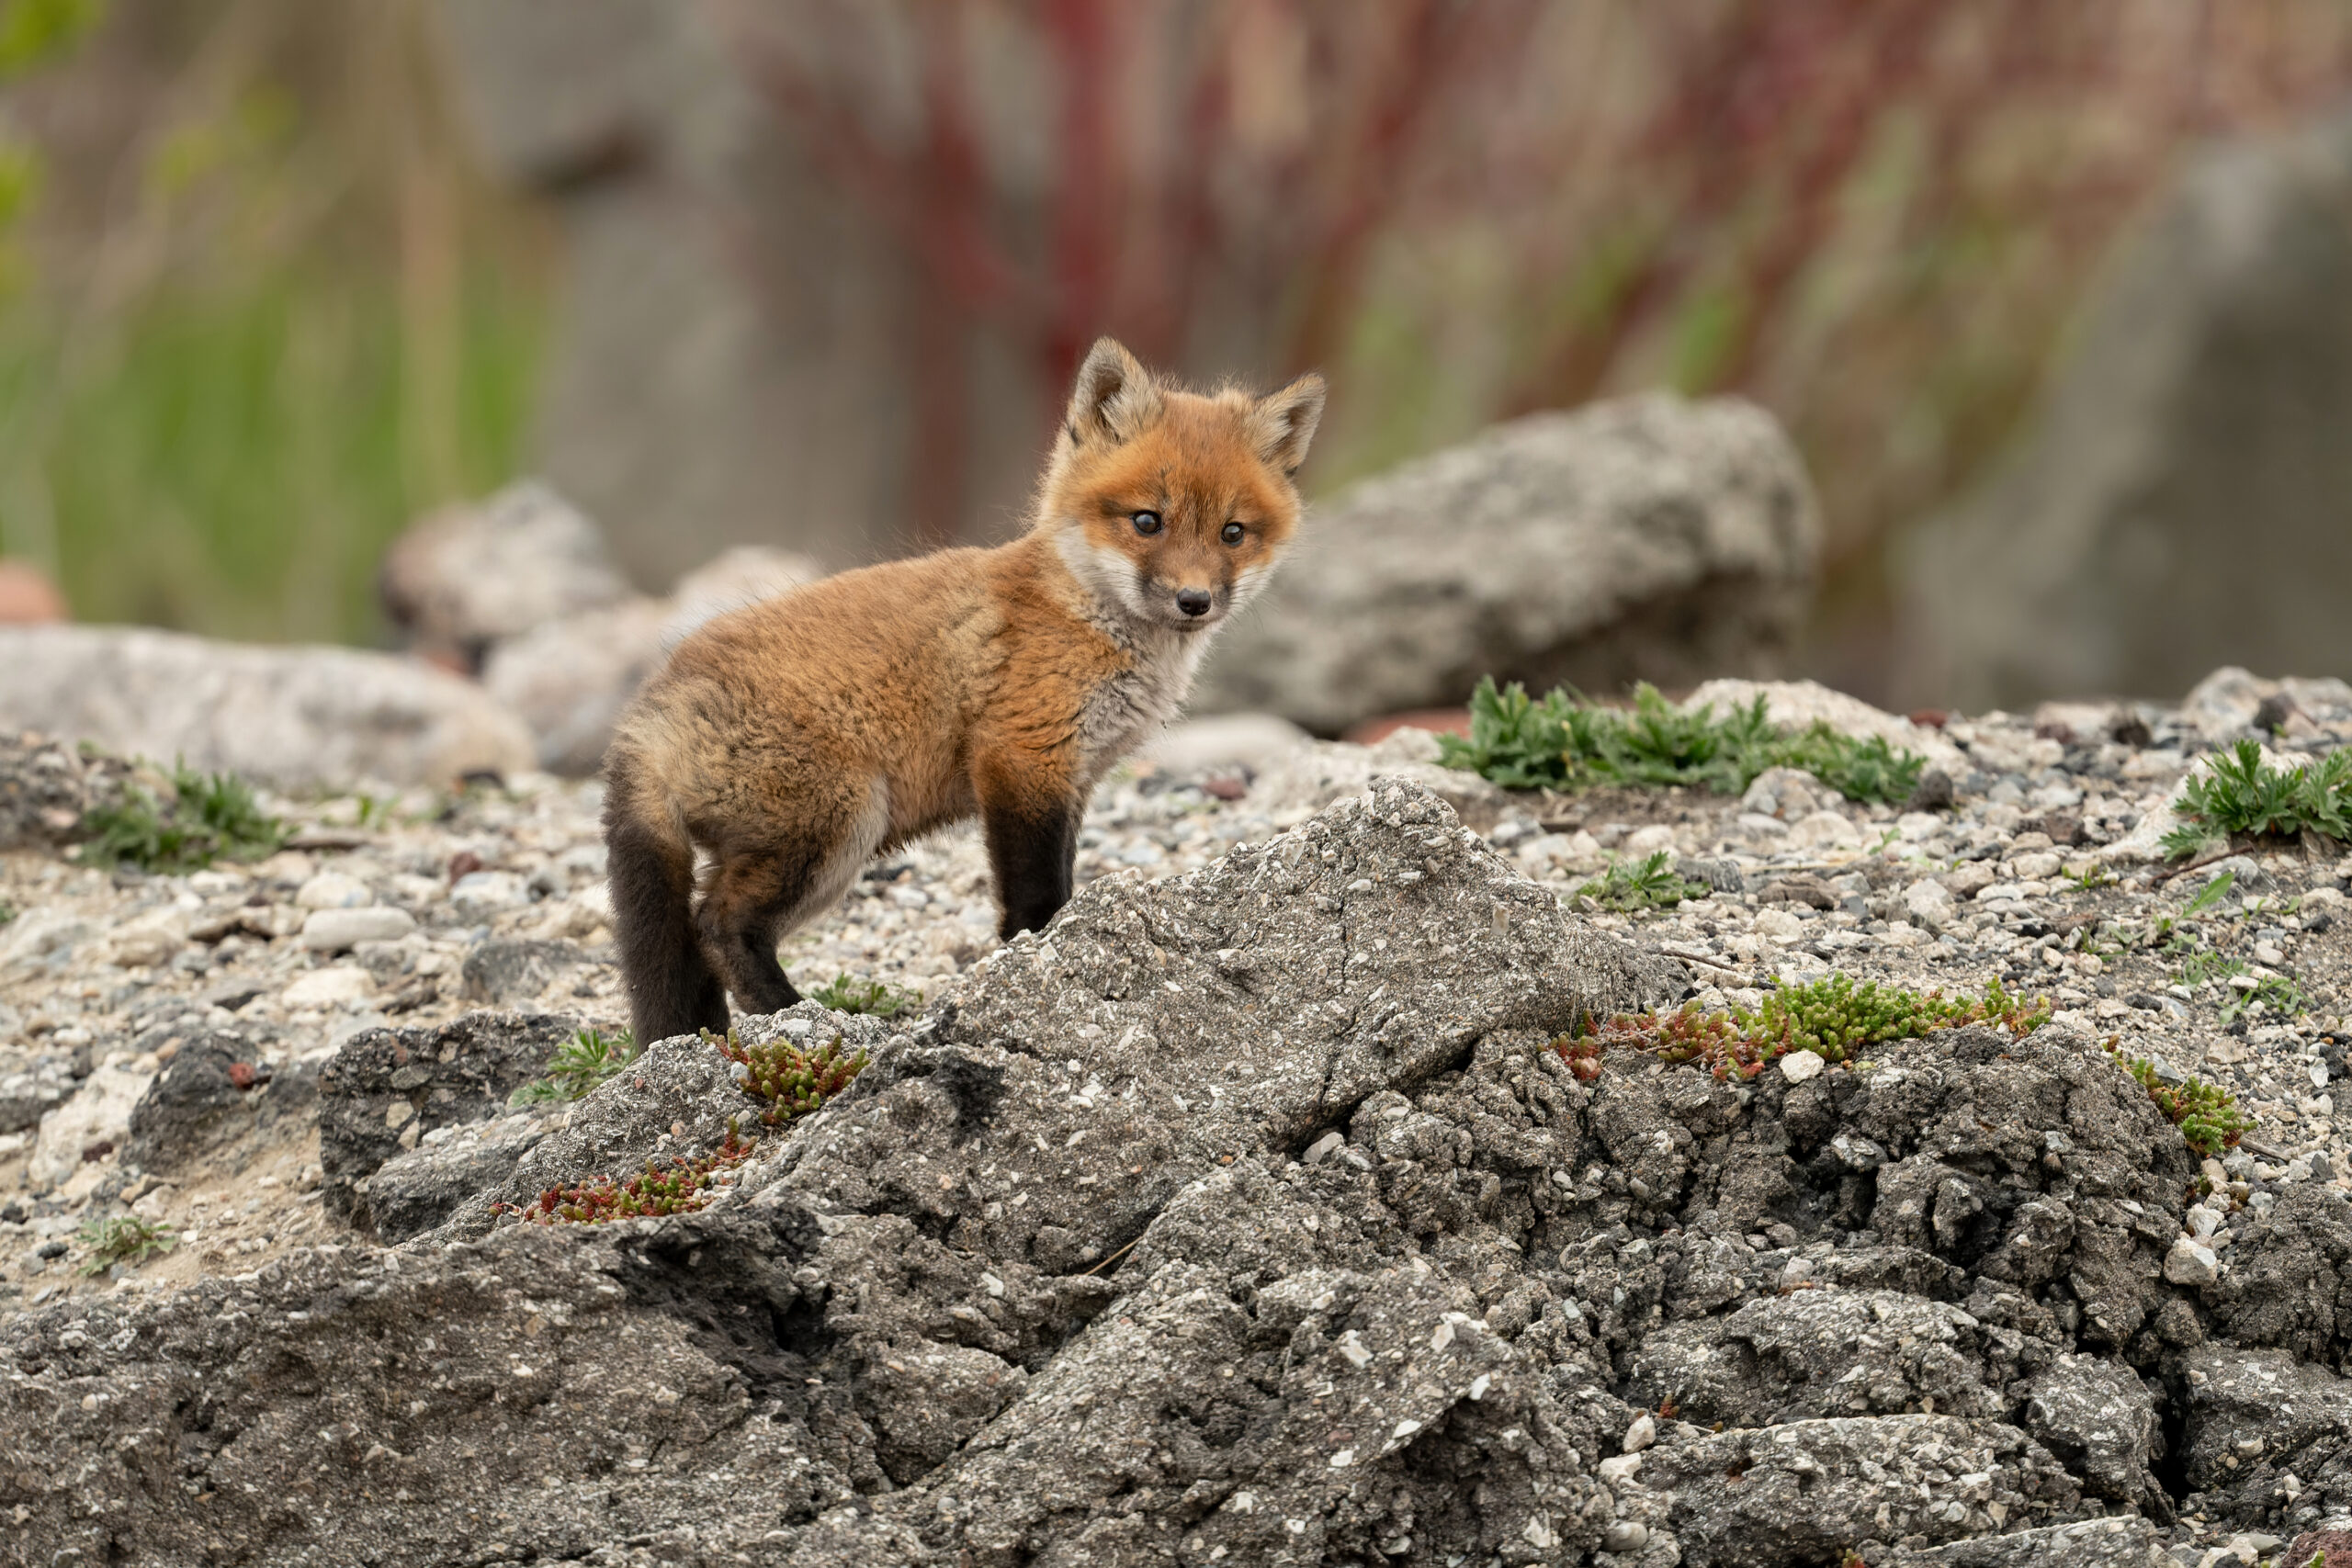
(2054, 300)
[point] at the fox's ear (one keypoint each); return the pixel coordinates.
(1284, 423)
(1115, 397)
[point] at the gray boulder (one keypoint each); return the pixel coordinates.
(287, 716)
(213, 1091)
(1805, 1491)
(1650, 538)
(1248, 1215)
(2175, 504)
(385, 1088)
(2120, 1542)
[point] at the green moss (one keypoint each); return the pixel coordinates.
(206, 817)
(578, 1067)
(123, 1238)
(848, 993)
(1561, 741)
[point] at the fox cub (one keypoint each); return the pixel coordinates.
(793, 740)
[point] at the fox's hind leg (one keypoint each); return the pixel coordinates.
(761, 892)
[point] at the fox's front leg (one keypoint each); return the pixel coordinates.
(1030, 817)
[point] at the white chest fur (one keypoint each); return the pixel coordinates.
(1132, 706)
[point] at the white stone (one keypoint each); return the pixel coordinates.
(481, 893)
(2191, 1263)
(1967, 879)
(1779, 926)
(1929, 903)
(98, 1113)
(1799, 702)
(332, 890)
(1799, 1066)
(1252, 740)
(338, 930)
(1825, 830)
(344, 985)
(1618, 1471)
(2038, 866)
(1643, 842)
(1641, 1434)
(150, 939)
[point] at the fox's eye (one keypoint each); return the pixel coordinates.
(1232, 533)
(1146, 522)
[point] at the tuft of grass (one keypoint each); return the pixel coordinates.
(578, 1067)
(677, 1186)
(1651, 884)
(2244, 796)
(1832, 1017)
(792, 1081)
(1561, 741)
(2279, 996)
(2207, 1116)
(123, 1238)
(208, 817)
(872, 998)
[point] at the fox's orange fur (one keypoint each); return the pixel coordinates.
(794, 739)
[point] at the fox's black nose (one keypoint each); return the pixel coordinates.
(1192, 601)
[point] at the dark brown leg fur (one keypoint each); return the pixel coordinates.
(670, 986)
(1031, 845)
(749, 900)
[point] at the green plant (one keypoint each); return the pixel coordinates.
(872, 998)
(1651, 884)
(2212, 892)
(207, 817)
(2278, 994)
(1560, 741)
(123, 1238)
(678, 1186)
(2245, 796)
(2207, 1116)
(7, 912)
(792, 1081)
(1832, 1017)
(2205, 968)
(578, 1067)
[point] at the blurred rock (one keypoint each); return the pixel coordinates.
(2230, 701)
(1252, 740)
(289, 717)
(28, 598)
(569, 679)
(2177, 503)
(47, 786)
(732, 324)
(1799, 704)
(470, 576)
(94, 1122)
(1649, 538)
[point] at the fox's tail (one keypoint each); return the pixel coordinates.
(649, 870)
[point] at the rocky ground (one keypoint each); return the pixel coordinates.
(1249, 1217)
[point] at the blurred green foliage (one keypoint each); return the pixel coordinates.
(253, 332)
